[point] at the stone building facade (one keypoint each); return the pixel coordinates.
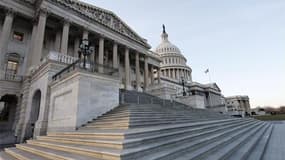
(174, 70)
(238, 105)
(40, 38)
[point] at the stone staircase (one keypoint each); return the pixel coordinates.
(152, 132)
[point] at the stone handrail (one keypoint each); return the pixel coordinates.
(134, 97)
(63, 58)
(10, 77)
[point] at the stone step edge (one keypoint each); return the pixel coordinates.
(94, 153)
(185, 148)
(133, 151)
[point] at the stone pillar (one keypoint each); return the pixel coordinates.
(169, 74)
(64, 38)
(127, 68)
(173, 73)
(76, 47)
(101, 54)
(151, 75)
(57, 41)
(115, 55)
(145, 73)
(158, 75)
(85, 34)
(138, 74)
(177, 74)
(5, 37)
(38, 46)
(31, 47)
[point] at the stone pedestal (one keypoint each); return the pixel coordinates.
(80, 97)
(162, 90)
(195, 101)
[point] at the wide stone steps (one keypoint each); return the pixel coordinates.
(140, 123)
(6, 156)
(95, 152)
(152, 132)
(135, 117)
(23, 155)
(247, 146)
(175, 146)
(52, 153)
(203, 151)
(260, 148)
(139, 139)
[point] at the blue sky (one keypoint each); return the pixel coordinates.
(241, 41)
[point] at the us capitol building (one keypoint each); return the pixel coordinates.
(64, 62)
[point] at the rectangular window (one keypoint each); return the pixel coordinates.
(12, 67)
(18, 36)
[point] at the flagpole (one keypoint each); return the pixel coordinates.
(208, 72)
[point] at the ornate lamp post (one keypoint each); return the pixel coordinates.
(86, 50)
(183, 84)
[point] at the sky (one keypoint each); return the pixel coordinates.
(242, 42)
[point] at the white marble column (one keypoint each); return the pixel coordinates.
(145, 72)
(57, 41)
(169, 74)
(138, 74)
(177, 74)
(5, 37)
(101, 54)
(76, 47)
(115, 55)
(31, 47)
(64, 37)
(127, 68)
(85, 34)
(158, 75)
(151, 75)
(173, 73)
(38, 46)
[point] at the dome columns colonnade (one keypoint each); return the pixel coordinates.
(62, 44)
(176, 73)
(173, 63)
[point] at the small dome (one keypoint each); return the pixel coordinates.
(166, 46)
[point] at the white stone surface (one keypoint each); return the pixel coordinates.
(80, 97)
(195, 101)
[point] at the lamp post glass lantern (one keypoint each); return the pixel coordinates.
(86, 50)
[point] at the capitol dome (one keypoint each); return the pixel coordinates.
(173, 63)
(166, 46)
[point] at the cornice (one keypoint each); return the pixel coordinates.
(103, 17)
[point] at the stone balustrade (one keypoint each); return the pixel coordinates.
(63, 58)
(10, 77)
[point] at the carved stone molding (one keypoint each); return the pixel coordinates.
(104, 17)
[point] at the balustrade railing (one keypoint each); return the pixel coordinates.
(63, 58)
(10, 77)
(91, 67)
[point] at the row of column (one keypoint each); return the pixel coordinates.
(61, 45)
(64, 47)
(177, 73)
(4, 39)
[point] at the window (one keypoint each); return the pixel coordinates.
(12, 67)
(18, 36)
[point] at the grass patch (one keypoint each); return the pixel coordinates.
(278, 117)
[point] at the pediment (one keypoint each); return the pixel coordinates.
(104, 17)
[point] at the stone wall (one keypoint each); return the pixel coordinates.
(195, 101)
(80, 97)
